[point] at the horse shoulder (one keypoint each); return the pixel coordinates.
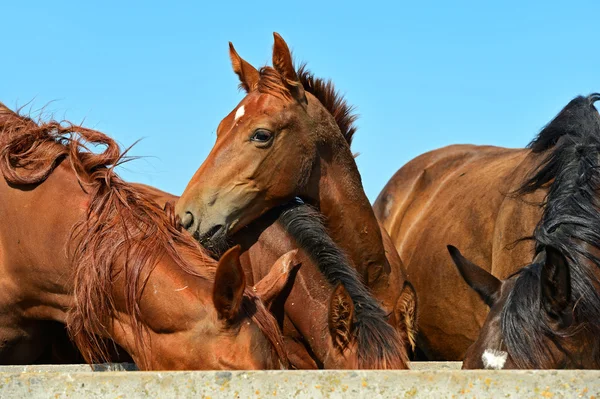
(515, 220)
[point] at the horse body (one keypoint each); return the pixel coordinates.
(458, 195)
(80, 247)
(31, 264)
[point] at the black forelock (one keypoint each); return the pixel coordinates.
(525, 329)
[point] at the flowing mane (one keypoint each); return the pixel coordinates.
(271, 83)
(379, 344)
(122, 224)
(570, 223)
(572, 120)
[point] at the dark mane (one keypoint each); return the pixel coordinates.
(524, 330)
(271, 82)
(380, 345)
(571, 130)
(122, 225)
(332, 100)
(570, 222)
(571, 120)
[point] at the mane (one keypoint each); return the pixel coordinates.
(121, 224)
(570, 222)
(271, 82)
(572, 120)
(379, 344)
(525, 331)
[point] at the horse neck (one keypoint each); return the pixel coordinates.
(338, 193)
(306, 304)
(171, 311)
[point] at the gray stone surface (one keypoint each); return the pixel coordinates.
(303, 384)
(436, 366)
(42, 368)
(132, 367)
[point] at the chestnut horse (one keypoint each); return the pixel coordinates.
(547, 314)
(290, 137)
(330, 320)
(463, 195)
(83, 248)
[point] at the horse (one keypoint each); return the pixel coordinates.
(82, 248)
(464, 195)
(546, 315)
(290, 137)
(330, 320)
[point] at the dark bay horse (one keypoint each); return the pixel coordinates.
(463, 195)
(330, 320)
(547, 314)
(83, 248)
(290, 137)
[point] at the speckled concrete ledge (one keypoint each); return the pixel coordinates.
(304, 384)
(70, 368)
(43, 368)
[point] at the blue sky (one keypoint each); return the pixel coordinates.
(421, 74)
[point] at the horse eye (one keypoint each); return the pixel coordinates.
(261, 136)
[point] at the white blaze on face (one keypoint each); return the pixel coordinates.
(494, 359)
(239, 113)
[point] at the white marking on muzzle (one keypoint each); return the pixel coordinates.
(494, 359)
(239, 113)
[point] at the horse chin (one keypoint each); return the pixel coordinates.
(215, 241)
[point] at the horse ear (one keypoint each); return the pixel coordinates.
(269, 288)
(282, 62)
(555, 285)
(230, 282)
(484, 283)
(405, 312)
(248, 75)
(341, 317)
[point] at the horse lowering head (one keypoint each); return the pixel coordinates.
(532, 321)
(266, 148)
(241, 333)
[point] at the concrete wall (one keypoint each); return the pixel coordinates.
(426, 381)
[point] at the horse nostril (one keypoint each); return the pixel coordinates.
(187, 220)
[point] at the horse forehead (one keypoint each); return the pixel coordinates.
(259, 102)
(255, 104)
(252, 104)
